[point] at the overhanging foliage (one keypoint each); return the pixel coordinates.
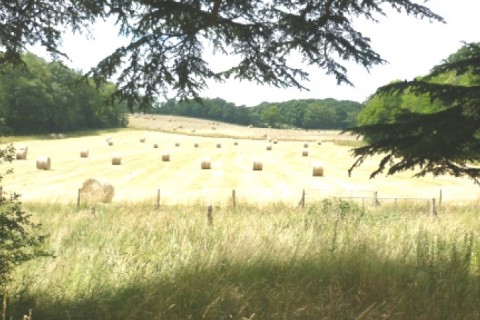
(442, 142)
(168, 39)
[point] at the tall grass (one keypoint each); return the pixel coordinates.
(331, 260)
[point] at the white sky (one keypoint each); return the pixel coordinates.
(411, 46)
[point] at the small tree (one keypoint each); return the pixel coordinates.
(19, 241)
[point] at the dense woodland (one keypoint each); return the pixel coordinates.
(308, 114)
(41, 97)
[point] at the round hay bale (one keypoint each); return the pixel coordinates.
(213, 128)
(53, 136)
(319, 142)
(219, 145)
(269, 147)
(21, 152)
(257, 166)
(193, 131)
(94, 191)
(116, 159)
(60, 136)
(165, 156)
(110, 142)
(177, 144)
(235, 143)
(84, 153)
(305, 145)
(142, 140)
(44, 163)
(155, 145)
(317, 169)
(305, 153)
(275, 141)
(195, 145)
(205, 164)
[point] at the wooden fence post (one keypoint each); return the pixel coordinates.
(440, 196)
(158, 198)
(376, 203)
(301, 204)
(234, 201)
(210, 215)
(78, 198)
(433, 209)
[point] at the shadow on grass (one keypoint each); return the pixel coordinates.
(348, 287)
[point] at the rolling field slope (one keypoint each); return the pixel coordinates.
(285, 171)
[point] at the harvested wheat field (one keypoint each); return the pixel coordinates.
(285, 172)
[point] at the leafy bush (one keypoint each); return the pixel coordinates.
(19, 241)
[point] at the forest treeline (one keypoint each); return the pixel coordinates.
(42, 97)
(308, 114)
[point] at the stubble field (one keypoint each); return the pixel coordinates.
(286, 172)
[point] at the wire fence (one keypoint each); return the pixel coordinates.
(365, 199)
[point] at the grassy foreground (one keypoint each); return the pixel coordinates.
(327, 261)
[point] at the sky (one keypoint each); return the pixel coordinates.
(410, 45)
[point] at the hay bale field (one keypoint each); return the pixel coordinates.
(183, 181)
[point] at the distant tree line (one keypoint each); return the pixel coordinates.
(43, 97)
(307, 114)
